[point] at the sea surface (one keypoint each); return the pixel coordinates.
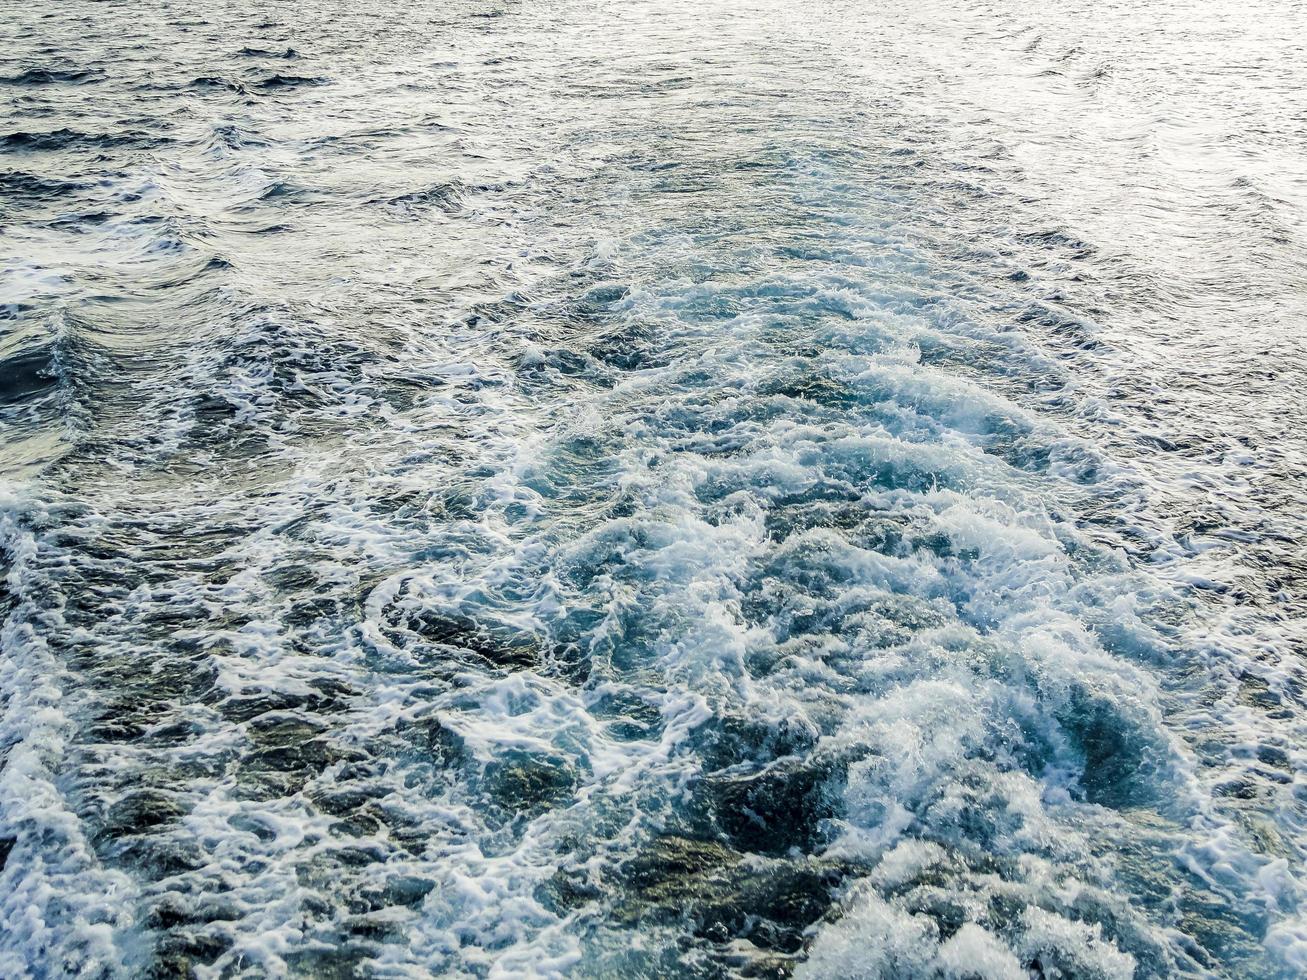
(540, 488)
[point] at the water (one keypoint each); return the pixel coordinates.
(654, 489)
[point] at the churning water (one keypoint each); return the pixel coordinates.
(665, 488)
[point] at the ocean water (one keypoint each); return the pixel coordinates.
(498, 488)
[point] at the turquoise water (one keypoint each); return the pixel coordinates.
(653, 489)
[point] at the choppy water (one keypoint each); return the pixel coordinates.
(639, 489)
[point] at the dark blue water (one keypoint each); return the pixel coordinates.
(498, 489)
